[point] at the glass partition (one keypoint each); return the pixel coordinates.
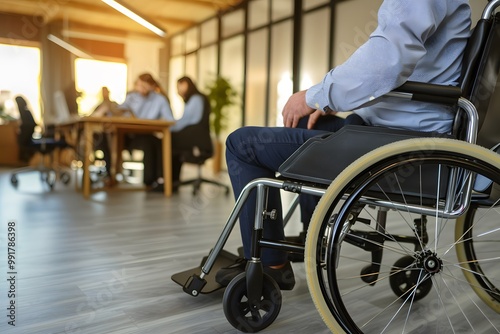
(268, 81)
(258, 13)
(176, 71)
(192, 66)
(192, 39)
(355, 20)
(232, 58)
(315, 47)
(308, 4)
(256, 80)
(20, 75)
(207, 66)
(281, 9)
(233, 23)
(209, 31)
(280, 76)
(177, 45)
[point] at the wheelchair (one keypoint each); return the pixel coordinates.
(406, 236)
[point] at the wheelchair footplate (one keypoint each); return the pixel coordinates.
(186, 278)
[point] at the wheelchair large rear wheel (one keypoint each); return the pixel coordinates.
(345, 229)
(478, 248)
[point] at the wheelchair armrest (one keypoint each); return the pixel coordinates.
(427, 92)
(320, 159)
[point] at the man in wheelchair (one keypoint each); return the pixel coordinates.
(403, 203)
(419, 41)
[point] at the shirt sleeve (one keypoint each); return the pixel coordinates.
(193, 112)
(126, 105)
(165, 110)
(385, 61)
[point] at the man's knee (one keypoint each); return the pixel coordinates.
(240, 143)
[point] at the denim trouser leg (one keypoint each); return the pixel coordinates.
(251, 153)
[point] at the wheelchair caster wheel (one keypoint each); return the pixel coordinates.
(407, 278)
(50, 179)
(65, 178)
(369, 274)
(240, 314)
(14, 181)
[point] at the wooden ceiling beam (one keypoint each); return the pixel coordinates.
(172, 15)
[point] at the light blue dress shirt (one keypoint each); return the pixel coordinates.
(193, 112)
(152, 106)
(417, 40)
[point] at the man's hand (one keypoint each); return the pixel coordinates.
(295, 109)
(313, 118)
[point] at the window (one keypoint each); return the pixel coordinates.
(233, 23)
(20, 75)
(258, 13)
(92, 75)
(209, 31)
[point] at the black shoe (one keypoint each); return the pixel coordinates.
(226, 274)
(156, 187)
(284, 277)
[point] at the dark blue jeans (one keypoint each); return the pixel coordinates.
(256, 152)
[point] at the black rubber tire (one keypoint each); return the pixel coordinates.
(405, 276)
(237, 310)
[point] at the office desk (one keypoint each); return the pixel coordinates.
(118, 127)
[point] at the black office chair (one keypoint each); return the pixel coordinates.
(29, 146)
(193, 145)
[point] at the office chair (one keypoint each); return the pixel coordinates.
(193, 145)
(28, 147)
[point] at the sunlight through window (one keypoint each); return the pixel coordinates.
(92, 75)
(20, 75)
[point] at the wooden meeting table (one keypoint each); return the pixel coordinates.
(118, 127)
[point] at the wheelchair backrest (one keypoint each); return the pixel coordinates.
(485, 90)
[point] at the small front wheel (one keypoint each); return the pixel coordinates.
(65, 178)
(407, 278)
(238, 310)
(14, 181)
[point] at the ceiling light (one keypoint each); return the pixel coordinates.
(71, 48)
(127, 11)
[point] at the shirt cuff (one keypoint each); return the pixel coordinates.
(315, 98)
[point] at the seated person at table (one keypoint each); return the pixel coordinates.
(101, 142)
(146, 102)
(195, 105)
(107, 106)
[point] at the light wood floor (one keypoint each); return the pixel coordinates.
(104, 265)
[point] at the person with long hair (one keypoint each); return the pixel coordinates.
(196, 106)
(148, 101)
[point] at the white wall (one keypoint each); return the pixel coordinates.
(142, 56)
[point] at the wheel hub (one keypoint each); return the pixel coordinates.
(430, 262)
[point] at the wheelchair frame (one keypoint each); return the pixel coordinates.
(447, 210)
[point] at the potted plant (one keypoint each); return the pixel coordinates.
(5, 117)
(221, 95)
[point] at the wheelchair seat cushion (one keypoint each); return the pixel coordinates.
(322, 158)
